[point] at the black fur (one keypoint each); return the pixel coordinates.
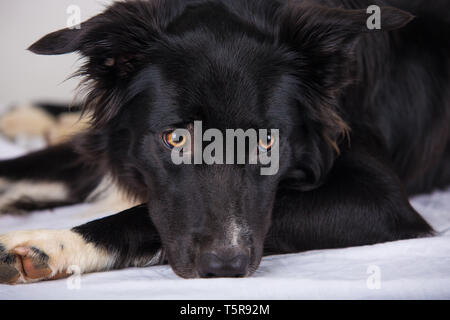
(56, 164)
(363, 117)
(135, 247)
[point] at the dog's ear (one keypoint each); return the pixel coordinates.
(326, 38)
(306, 25)
(59, 42)
(115, 45)
(113, 41)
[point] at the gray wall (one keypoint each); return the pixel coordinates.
(28, 77)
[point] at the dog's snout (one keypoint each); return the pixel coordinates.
(212, 265)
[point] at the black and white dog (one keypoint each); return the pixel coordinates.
(363, 118)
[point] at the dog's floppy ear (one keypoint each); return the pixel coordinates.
(307, 25)
(115, 44)
(326, 38)
(112, 40)
(59, 42)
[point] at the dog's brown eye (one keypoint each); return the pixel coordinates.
(173, 140)
(266, 145)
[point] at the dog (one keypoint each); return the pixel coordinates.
(363, 117)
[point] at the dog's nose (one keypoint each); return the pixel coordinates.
(211, 265)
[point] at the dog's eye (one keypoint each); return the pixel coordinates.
(173, 140)
(265, 146)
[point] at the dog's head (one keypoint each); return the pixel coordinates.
(156, 66)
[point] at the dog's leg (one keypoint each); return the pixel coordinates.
(363, 202)
(127, 239)
(48, 178)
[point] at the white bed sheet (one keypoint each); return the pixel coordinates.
(410, 269)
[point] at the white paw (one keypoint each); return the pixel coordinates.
(30, 256)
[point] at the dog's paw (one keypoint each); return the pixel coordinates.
(8, 271)
(30, 256)
(25, 264)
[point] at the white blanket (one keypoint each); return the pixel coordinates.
(411, 269)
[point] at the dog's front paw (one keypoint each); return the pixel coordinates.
(8, 270)
(24, 264)
(30, 256)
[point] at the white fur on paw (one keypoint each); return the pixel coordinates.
(29, 256)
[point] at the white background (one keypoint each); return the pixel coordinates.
(25, 76)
